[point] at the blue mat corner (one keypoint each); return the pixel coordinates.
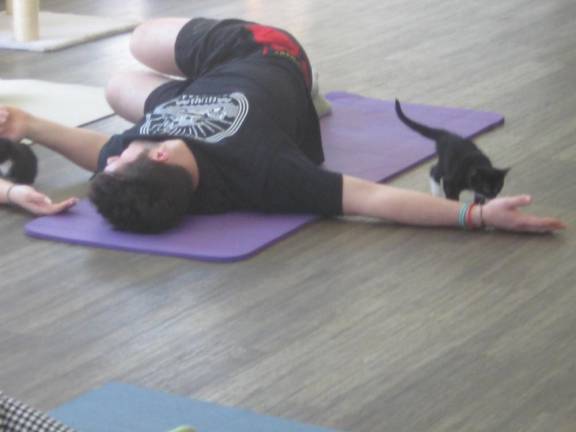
(118, 407)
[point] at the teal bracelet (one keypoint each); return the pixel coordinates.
(462, 215)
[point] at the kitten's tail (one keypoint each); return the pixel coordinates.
(427, 131)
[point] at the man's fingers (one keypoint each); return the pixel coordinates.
(519, 201)
(552, 224)
(64, 205)
(538, 224)
(59, 207)
(46, 207)
(40, 199)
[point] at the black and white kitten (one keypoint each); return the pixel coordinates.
(18, 162)
(461, 164)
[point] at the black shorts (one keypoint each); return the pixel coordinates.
(204, 43)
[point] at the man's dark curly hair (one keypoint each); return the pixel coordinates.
(143, 196)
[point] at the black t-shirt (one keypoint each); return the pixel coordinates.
(246, 115)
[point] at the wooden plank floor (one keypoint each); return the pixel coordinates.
(354, 325)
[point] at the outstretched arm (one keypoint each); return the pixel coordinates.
(30, 199)
(365, 198)
(81, 146)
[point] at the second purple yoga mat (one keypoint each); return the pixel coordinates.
(363, 137)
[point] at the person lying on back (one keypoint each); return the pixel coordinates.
(237, 129)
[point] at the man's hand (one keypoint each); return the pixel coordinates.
(13, 123)
(504, 213)
(36, 202)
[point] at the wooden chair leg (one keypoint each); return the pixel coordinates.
(25, 19)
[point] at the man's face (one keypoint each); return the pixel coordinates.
(173, 152)
(130, 154)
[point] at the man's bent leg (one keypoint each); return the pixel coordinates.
(153, 43)
(127, 92)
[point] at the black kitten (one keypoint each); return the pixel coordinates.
(461, 164)
(18, 162)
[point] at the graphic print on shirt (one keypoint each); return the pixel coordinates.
(206, 118)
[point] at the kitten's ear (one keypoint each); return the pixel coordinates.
(504, 171)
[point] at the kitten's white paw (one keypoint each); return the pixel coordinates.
(436, 188)
(467, 196)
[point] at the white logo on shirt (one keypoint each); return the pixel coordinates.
(206, 118)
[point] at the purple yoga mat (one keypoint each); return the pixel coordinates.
(362, 137)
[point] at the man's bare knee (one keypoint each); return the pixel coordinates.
(122, 97)
(128, 90)
(139, 39)
(153, 42)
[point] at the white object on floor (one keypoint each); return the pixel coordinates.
(58, 30)
(68, 104)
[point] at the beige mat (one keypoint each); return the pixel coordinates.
(62, 30)
(68, 104)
